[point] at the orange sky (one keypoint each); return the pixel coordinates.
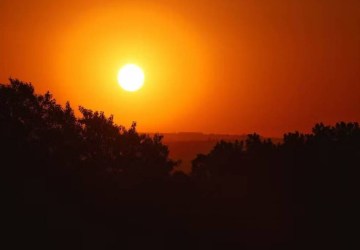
(211, 66)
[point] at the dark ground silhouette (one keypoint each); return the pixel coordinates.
(87, 183)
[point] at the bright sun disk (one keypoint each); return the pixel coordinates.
(131, 77)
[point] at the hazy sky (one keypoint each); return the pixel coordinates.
(212, 66)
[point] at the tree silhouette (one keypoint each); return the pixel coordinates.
(46, 150)
(88, 183)
(312, 178)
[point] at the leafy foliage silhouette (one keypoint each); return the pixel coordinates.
(87, 183)
(310, 178)
(46, 151)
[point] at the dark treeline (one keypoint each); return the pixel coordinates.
(87, 183)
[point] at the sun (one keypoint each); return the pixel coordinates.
(131, 77)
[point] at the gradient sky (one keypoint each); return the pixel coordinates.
(212, 66)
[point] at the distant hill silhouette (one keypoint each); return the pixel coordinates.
(197, 136)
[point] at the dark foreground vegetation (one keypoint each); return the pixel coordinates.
(86, 183)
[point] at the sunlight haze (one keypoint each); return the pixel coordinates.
(228, 67)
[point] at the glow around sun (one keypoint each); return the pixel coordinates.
(131, 77)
